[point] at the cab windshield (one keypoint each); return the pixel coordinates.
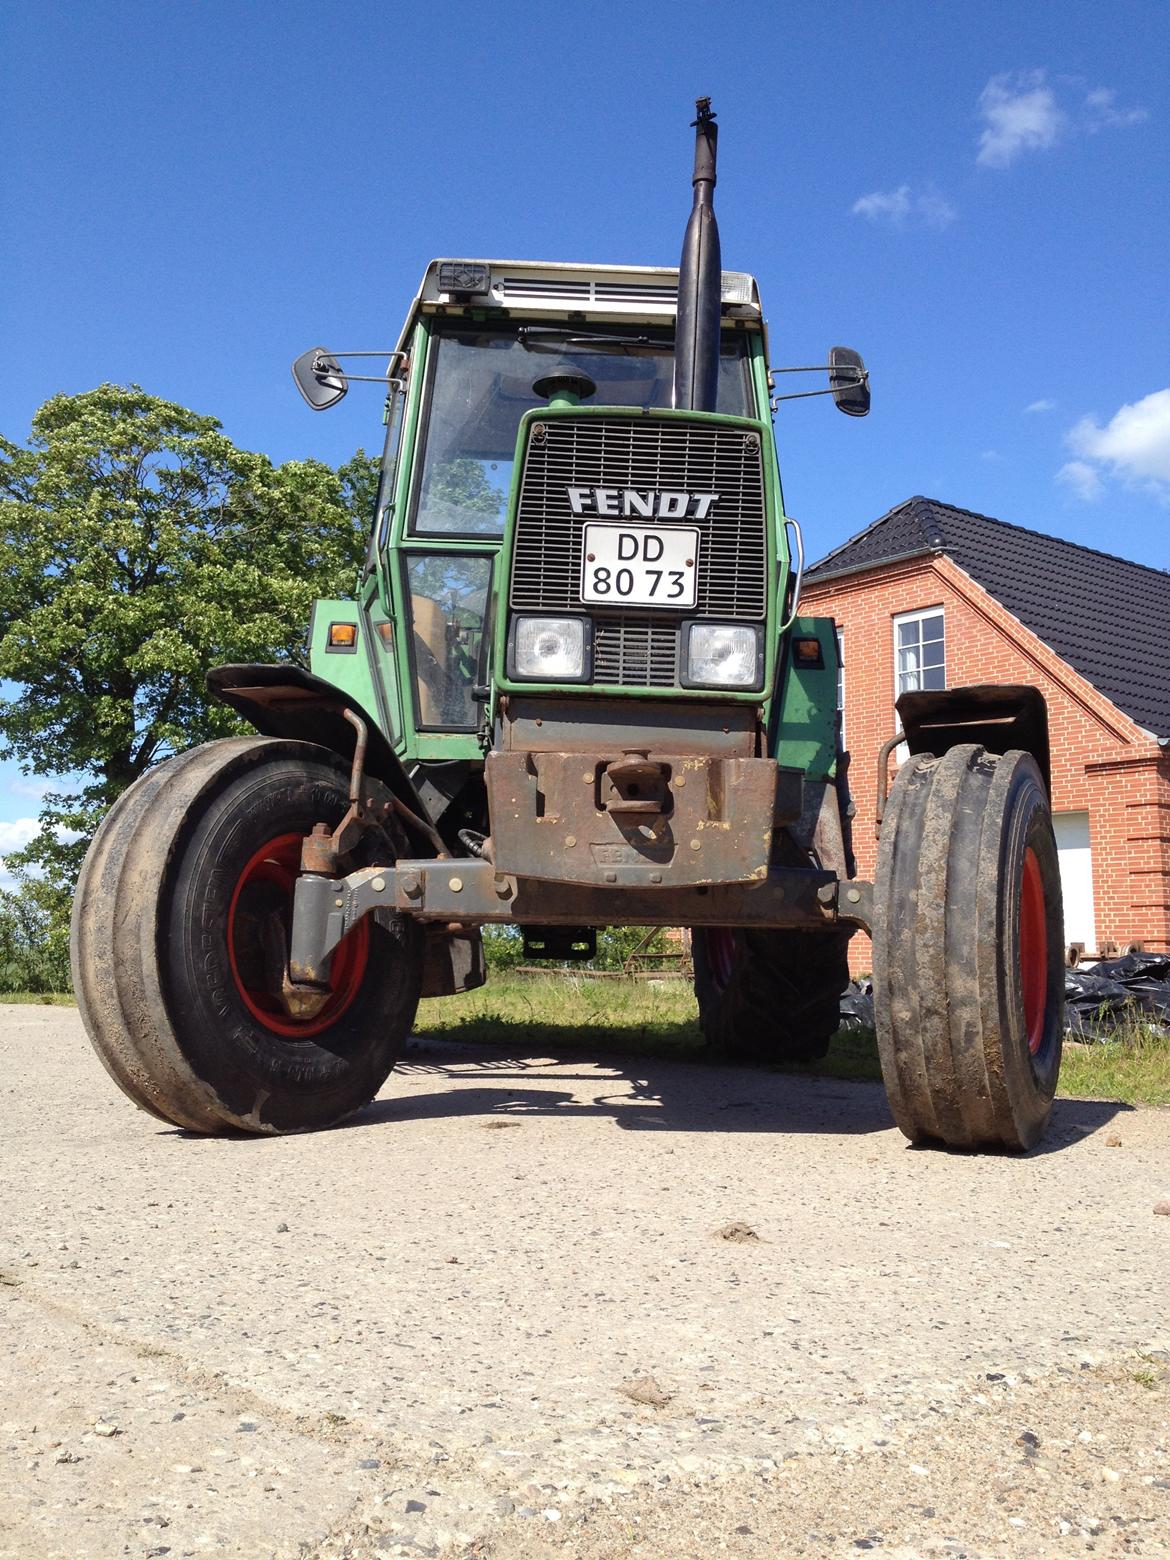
(480, 383)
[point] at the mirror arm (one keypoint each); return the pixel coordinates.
(812, 368)
(801, 395)
(395, 358)
(375, 379)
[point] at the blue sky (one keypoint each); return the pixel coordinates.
(974, 196)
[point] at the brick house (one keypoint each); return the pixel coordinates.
(931, 596)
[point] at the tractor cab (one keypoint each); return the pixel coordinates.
(486, 342)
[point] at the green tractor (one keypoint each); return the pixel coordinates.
(574, 690)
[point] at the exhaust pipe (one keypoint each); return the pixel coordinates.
(700, 281)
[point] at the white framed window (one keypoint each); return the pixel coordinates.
(841, 682)
(919, 651)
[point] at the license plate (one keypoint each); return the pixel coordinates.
(640, 566)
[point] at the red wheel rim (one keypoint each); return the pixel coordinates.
(265, 887)
(1033, 950)
(719, 943)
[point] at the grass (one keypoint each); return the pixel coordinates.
(659, 1017)
(570, 1011)
(630, 1017)
(549, 1013)
(1133, 1067)
(39, 998)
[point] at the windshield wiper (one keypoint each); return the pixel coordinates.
(544, 338)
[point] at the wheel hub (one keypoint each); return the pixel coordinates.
(259, 920)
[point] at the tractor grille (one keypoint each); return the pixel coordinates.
(633, 648)
(638, 647)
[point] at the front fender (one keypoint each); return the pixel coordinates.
(999, 716)
(287, 701)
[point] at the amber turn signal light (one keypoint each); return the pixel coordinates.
(807, 652)
(342, 636)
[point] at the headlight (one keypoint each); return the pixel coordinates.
(722, 655)
(548, 648)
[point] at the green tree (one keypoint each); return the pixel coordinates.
(138, 548)
(34, 937)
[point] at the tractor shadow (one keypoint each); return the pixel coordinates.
(650, 1094)
(510, 1083)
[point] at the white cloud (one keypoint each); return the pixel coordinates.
(14, 836)
(23, 786)
(1102, 112)
(1023, 111)
(934, 209)
(897, 207)
(1133, 446)
(991, 455)
(1082, 478)
(893, 206)
(1021, 115)
(1040, 406)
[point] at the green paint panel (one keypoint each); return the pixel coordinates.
(353, 671)
(396, 672)
(806, 732)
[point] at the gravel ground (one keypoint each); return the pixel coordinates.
(567, 1306)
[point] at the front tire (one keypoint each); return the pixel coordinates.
(180, 934)
(968, 977)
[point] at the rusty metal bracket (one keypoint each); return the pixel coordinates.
(855, 903)
(883, 777)
(323, 848)
(473, 893)
(639, 783)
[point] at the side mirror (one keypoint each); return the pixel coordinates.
(319, 378)
(849, 381)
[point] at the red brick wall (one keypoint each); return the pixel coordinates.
(1102, 762)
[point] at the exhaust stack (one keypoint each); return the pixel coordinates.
(696, 350)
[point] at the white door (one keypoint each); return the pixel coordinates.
(1076, 877)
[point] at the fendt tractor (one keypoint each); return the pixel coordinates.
(574, 690)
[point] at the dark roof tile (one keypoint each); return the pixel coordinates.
(1107, 617)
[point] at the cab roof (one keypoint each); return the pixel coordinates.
(642, 294)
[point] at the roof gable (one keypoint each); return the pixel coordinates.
(1107, 617)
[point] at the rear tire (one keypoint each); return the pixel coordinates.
(178, 921)
(769, 996)
(968, 977)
